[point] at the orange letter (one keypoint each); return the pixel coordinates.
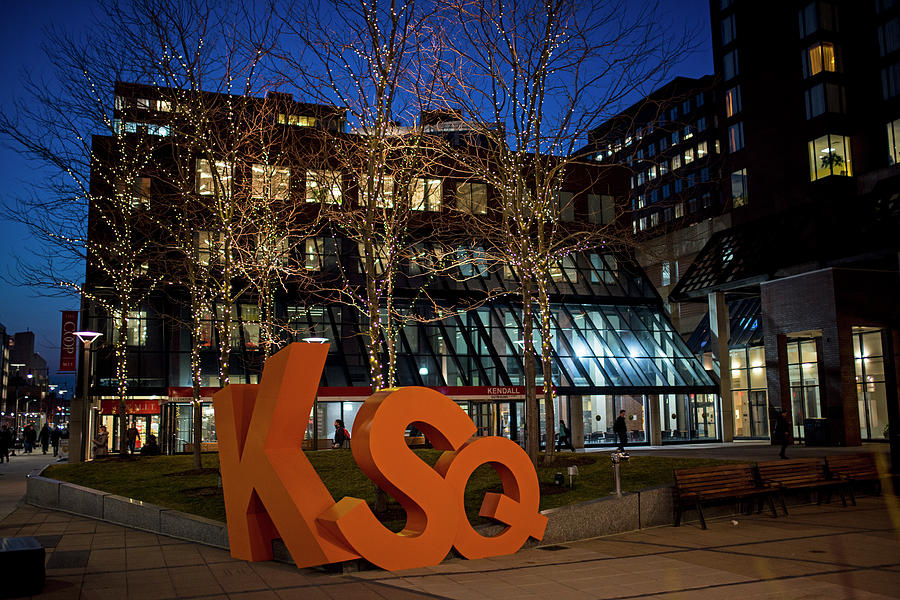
(270, 487)
(381, 452)
(517, 506)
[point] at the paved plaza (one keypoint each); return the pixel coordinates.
(816, 552)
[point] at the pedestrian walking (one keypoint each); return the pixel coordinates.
(55, 434)
(44, 438)
(620, 428)
(565, 437)
(131, 436)
(782, 432)
(5, 442)
(30, 438)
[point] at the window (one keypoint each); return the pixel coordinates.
(163, 106)
(728, 30)
(815, 16)
(663, 168)
(319, 253)
(384, 192)
(704, 174)
(296, 120)
(666, 191)
(889, 36)
(246, 326)
(819, 57)
(673, 113)
(269, 182)
(426, 194)
(135, 327)
(272, 248)
(679, 184)
(603, 268)
(665, 274)
(824, 97)
(213, 179)
(702, 150)
(829, 155)
(472, 198)
(640, 178)
(691, 180)
(730, 65)
(641, 201)
(739, 195)
(893, 128)
(323, 186)
(676, 137)
(564, 270)
(601, 209)
(565, 206)
(651, 150)
(143, 103)
(676, 162)
(883, 5)
(139, 194)
(701, 124)
(654, 219)
(471, 261)
(733, 101)
(736, 137)
(210, 247)
(890, 80)
(679, 210)
(664, 143)
(686, 107)
(688, 156)
(654, 196)
(651, 174)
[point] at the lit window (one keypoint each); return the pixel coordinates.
(688, 156)
(730, 65)
(640, 178)
(426, 194)
(210, 247)
(829, 155)
(893, 129)
(564, 270)
(296, 120)
(323, 186)
(733, 101)
(213, 179)
(665, 274)
(728, 30)
(384, 193)
(819, 57)
(739, 195)
(701, 150)
(320, 253)
(736, 137)
(654, 219)
(679, 210)
(472, 198)
(271, 183)
(651, 174)
(140, 192)
(604, 268)
(163, 106)
(641, 201)
(676, 162)
(471, 261)
(135, 327)
(143, 103)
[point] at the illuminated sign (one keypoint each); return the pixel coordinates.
(271, 489)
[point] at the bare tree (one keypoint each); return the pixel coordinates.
(534, 78)
(93, 206)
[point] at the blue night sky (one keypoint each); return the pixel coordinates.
(22, 32)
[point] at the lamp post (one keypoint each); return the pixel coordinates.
(80, 427)
(17, 366)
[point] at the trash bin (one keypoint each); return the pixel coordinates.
(816, 432)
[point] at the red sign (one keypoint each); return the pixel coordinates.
(68, 348)
(132, 407)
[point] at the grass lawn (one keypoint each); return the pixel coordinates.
(168, 480)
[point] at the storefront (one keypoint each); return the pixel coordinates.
(143, 413)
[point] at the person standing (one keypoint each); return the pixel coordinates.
(5, 442)
(44, 437)
(101, 442)
(341, 435)
(55, 434)
(565, 437)
(131, 436)
(620, 428)
(782, 432)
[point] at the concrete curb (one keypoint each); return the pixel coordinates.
(651, 507)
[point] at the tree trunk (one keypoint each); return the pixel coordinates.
(532, 408)
(122, 378)
(197, 416)
(547, 364)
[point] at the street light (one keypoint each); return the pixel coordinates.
(17, 366)
(79, 436)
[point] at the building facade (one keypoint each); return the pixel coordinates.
(613, 346)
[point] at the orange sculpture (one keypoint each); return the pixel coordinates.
(271, 490)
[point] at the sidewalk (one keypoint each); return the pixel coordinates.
(816, 552)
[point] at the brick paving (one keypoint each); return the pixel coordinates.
(816, 552)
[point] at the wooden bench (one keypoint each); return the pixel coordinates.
(698, 486)
(854, 468)
(415, 441)
(799, 474)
